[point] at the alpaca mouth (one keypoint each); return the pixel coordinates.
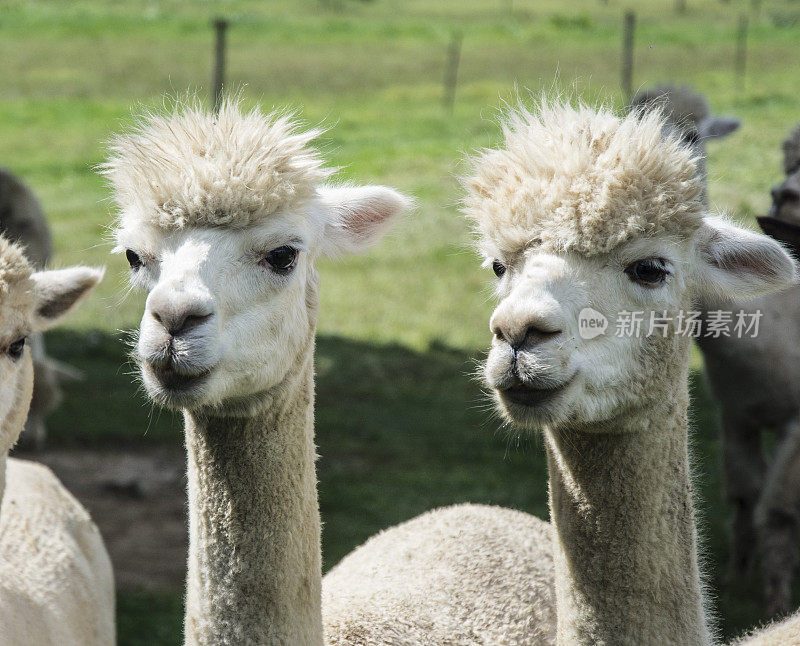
(173, 381)
(528, 396)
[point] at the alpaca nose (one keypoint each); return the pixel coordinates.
(785, 193)
(519, 332)
(177, 314)
(177, 323)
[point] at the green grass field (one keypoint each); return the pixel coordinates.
(401, 424)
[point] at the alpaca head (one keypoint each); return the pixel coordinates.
(687, 117)
(221, 219)
(592, 222)
(786, 195)
(29, 302)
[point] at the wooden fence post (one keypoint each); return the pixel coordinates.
(740, 63)
(220, 26)
(628, 28)
(451, 72)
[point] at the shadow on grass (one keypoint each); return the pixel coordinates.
(398, 432)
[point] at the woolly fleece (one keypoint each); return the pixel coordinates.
(191, 167)
(462, 575)
(778, 633)
(56, 581)
(14, 267)
(582, 180)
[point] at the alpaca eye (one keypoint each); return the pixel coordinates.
(133, 259)
(691, 137)
(498, 268)
(651, 272)
(15, 349)
(281, 260)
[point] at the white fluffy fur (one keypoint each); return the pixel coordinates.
(190, 167)
(56, 581)
(581, 180)
(462, 575)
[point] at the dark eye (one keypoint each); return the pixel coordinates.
(281, 260)
(691, 137)
(133, 258)
(651, 272)
(498, 268)
(15, 349)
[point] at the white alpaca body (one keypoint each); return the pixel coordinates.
(779, 633)
(56, 581)
(462, 575)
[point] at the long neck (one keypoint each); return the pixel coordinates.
(254, 531)
(3, 460)
(626, 557)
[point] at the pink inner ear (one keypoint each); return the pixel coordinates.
(362, 220)
(734, 260)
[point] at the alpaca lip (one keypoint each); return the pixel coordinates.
(527, 396)
(173, 380)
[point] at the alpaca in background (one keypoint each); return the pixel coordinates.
(56, 582)
(22, 220)
(755, 379)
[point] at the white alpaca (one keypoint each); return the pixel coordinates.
(222, 218)
(56, 583)
(22, 220)
(587, 216)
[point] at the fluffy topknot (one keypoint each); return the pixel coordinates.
(583, 180)
(14, 266)
(680, 104)
(791, 151)
(191, 167)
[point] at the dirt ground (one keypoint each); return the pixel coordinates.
(138, 499)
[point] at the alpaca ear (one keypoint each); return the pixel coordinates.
(785, 232)
(739, 263)
(356, 217)
(57, 292)
(718, 127)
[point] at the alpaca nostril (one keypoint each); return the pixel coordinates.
(193, 320)
(181, 322)
(186, 322)
(535, 335)
(531, 335)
